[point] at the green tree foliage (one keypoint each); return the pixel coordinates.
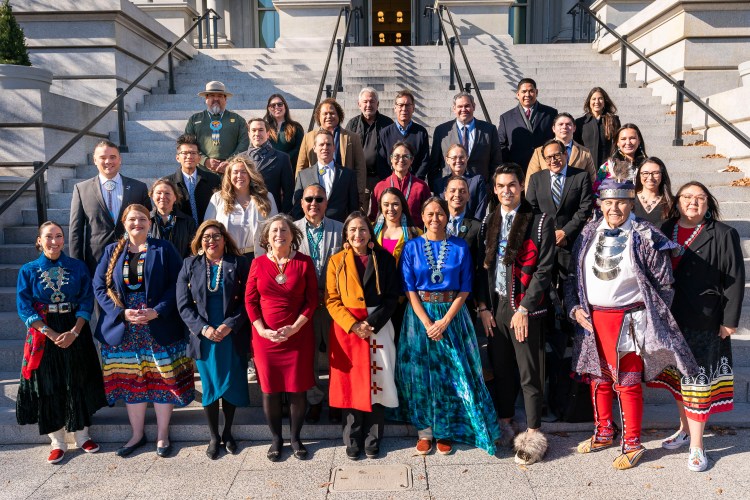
(12, 40)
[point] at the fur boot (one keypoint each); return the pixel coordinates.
(530, 447)
(508, 431)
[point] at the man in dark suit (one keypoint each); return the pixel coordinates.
(196, 185)
(275, 166)
(340, 183)
(368, 125)
(511, 293)
(97, 206)
(526, 126)
(564, 193)
(404, 129)
(478, 137)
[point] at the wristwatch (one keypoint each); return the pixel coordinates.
(523, 310)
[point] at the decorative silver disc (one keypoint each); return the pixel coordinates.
(436, 277)
(280, 278)
(57, 297)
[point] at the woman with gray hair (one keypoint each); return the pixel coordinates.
(281, 296)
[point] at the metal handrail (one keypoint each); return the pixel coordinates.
(449, 45)
(678, 85)
(39, 172)
(337, 83)
(325, 68)
(466, 62)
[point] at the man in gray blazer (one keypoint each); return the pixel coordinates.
(478, 137)
(322, 237)
(97, 206)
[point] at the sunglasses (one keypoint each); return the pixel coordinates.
(276, 105)
(316, 199)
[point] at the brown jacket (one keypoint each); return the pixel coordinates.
(580, 157)
(351, 153)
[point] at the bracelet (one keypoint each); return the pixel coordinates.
(44, 330)
(204, 329)
(523, 310)
(482, 310)
(74, 332)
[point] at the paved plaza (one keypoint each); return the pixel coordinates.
(466, 474)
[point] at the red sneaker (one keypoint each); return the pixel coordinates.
(55, 456)
(90, 446)
(444, 446)
(424, 446)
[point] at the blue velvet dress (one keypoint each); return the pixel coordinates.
(223, 372)
(440, 382)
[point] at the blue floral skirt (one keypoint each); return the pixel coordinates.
(139, 370)
(440, 383)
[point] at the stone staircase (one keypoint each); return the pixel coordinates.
(564, 74)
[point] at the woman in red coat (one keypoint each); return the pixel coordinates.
(281, 296)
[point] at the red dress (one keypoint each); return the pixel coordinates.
(284, 366)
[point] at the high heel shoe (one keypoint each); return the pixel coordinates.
(212, 451)
(230, 444)
(124, 451)
(298, 450)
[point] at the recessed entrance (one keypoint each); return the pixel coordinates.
(391, 22)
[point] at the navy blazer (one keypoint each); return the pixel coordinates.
(518, 142)
(191, 297)
(485, 155)
(160, 277)
(478, 200)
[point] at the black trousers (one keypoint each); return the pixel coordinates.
(363, 428)
(507, 354)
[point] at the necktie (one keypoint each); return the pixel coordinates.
(557, 189)
(109, 186)
(453, 227)
(528, 114)
(466, 138)
(191, 193)
(501, 284)
(506, 225)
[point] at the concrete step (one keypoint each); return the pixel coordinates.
(25, 234)
(16, 254)
(11, 326)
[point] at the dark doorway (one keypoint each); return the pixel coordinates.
(391, 22)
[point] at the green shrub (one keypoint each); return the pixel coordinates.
(12, 40)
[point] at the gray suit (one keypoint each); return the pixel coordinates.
(485, 153)
(332, 241)
(91, 225)
(342, 200)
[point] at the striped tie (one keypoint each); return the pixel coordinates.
(191, 195)
(557, 189)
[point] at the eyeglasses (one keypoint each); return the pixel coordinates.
(398, 158)
(316, 199)
(189, 153)
(689, 198)
(208, 237)
(404, 105)
(646, 175)
(554, 157)
(276, 105)
(457, 158)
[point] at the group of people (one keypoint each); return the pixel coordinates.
(402, 263)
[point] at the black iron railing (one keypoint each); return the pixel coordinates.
(452, 42)
(337, 87)
(679, 86)
(40, 168)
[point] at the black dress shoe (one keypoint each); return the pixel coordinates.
(313, 413)
(124, 451)
(372, 452)
(212, 451)
(165, 451)
(334, 415)
(230, 444)
(299, 451)
(274, 452)
(352, 453)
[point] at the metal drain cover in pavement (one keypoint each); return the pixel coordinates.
(372, 478)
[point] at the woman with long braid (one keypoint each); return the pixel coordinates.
(143, 339)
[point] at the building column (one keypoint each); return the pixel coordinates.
(308, 23)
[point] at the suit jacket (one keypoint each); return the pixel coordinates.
(575, 206)
(181, 234)
(276, 169)
(709, 281)
(352, 156)
(518, 142)
(342, 200)
(478, 200)
(469, 232)
(580, 158)
(587, 133)
(192, 297)
(332, 241)
(206, 184)
(357, 125)
(531, 253)
(417, 136)
(485, 153)
(160, 277)
(91, 225)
